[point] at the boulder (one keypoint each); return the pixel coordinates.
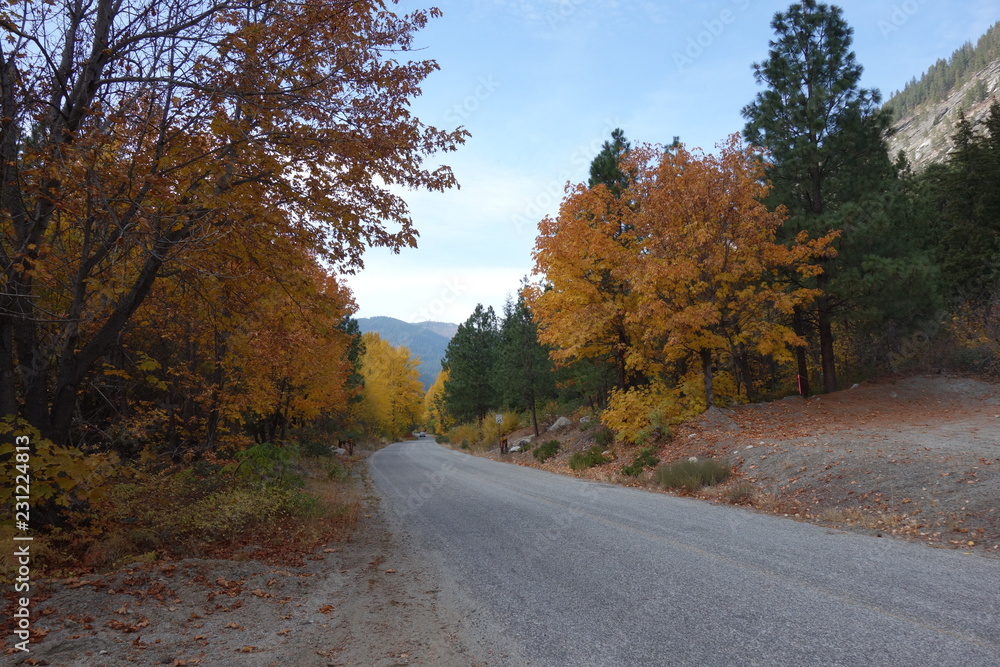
(562, 422)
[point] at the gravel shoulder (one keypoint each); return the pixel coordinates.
(915, 458)
(368, 601)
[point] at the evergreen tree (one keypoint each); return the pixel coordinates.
(524, 373)
(606, 167)
(470, 360)
(825, 136)
(968, 199)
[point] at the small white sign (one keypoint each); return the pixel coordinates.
(499, 418)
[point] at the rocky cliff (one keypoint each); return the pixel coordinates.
(925, 134)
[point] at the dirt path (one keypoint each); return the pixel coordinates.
(366, 602)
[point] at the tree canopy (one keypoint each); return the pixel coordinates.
(146, 139)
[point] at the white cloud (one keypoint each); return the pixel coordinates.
(416, 291)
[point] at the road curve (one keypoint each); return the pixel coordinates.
(553, 570)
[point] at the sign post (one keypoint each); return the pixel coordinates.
(503, 442)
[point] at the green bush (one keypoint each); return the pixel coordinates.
(267, 465)
(546, 451)
(588, 459)
(645, 458)
(692, 475)
(335, 470)
(604, 437)
(314, 448)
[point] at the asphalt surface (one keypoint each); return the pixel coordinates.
(552, 570)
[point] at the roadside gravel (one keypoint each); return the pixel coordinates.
(369, 601)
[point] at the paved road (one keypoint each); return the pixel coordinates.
(552, 570)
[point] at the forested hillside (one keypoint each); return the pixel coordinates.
(927, 110)
(947, 74)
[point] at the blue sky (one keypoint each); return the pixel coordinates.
(540, 85)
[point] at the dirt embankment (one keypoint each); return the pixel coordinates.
(915, 457)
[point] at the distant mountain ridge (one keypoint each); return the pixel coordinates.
(427, 340)
(928, 109)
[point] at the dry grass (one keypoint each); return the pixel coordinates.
(854, 517)
(175, 514)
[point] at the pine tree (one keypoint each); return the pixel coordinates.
(825, 136)
(470, 360)
(524, 373)
(969, 201)
(606, 167)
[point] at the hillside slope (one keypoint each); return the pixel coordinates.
(927, 110)
(925, 136)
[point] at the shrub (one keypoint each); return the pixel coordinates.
(588, 459)
(604, 437)
(465, 435)
(335, 470)
(645, 458)
(692, 475)
(546, 450)
(266, 464)
(740, 493)
(313, 448)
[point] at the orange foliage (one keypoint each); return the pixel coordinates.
(683, 266)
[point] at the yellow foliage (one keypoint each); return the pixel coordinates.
(678, 270)
(465, 435)
(54, 474)
(393, 398)
(437, 418)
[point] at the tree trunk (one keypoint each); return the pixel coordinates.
(826, 351)
(8, 387)
(825, 330)
(706, 366)
(799, 327)
(534, 415)
(743, 363)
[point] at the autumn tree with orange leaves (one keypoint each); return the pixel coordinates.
(691, 253)
(582, 308)
(707, 266)
(136, 136)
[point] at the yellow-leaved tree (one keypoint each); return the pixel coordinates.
(392, 398)
(437, 418)
(675, 273)
(136, 135)
(583, 306)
